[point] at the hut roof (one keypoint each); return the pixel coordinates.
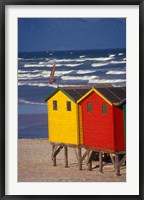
(51, 94)
(74, 93)
(113, 94)
(122, 102)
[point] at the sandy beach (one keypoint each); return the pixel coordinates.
(35, 165)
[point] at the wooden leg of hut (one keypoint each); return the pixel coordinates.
(88, 156)
(100, 162)
(90, 166)
(88, 161)
(91, 157)
(79, 158)
(66, 156)
(117, 163)
(53, 158)
(122, 161)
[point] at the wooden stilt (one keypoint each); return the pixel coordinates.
(122, 161)
(113, 161)
(66, 156)
(53, 158)
(90, 154)
(117, 162)
(57, 151)
(100, 162)
(90, 166)
(85, 155)
(79, 159)
(88, 162)
(91, 157)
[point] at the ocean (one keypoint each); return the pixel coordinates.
(73, 67)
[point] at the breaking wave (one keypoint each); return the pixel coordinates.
(112, 55)
(73, 65)
(43, 74)
(99, 64)
(107, 81)
(33, 84)
(104, 58)
(84, 78)
(41, 65)
(120, 54)
(118, 62)
(85, 71)
(116, 72)
(30, 102)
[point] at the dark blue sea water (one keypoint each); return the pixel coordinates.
(81, 67)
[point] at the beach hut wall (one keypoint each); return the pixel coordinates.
(123, 106)
(64, 118)
(103, 123)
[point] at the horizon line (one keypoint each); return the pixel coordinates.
(70, 50)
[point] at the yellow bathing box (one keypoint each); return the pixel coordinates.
(64, 115)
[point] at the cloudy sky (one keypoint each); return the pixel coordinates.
(44, 34)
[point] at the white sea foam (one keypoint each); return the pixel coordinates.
(61, 60)
(82, 56)
(118, 62)
(37, 84)
(120, 54)
(63, 85)
(41, 65)
(85, 71)
(84, 78)
(36, 70)
(80, 59)
(31, 59)
(22, 71)
(59, 73)
(107, 80)
(104, 58)
(116, 72)
(73, 65)
(99, 64)
(112, 55)
(20, 58)
(43, 74)
(30, 102)
(34, 65)
(34, 84)
(28, 76)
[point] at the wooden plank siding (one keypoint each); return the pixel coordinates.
(62, 124)
(103, 123)
(80, 125)
(119, 129)
(91, 117)
(124, 112)
(98, 128)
